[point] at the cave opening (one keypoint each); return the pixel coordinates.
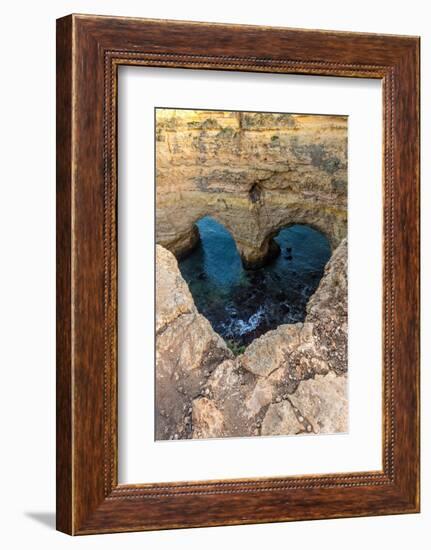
(243, 304)
(255, 193)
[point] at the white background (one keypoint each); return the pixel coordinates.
(141, 458)
(27, 277)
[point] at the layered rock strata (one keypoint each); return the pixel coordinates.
(289, 381)
(253, 172)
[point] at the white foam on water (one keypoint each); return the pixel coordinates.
(239, 327)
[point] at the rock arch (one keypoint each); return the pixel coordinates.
(255, 173)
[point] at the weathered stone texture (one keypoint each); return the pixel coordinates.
(290, 380)
(187, 350)
(253, 172)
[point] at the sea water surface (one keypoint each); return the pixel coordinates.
(244, 304)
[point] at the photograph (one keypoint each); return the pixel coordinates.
(214, 292)
(251, 231)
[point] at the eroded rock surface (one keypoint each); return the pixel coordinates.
(290, 380)
(253, 172)
(187, 350)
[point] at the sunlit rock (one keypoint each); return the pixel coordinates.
(290, 380)
(253, 172)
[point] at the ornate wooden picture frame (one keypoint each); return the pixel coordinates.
(89, 51)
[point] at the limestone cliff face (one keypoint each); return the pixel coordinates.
(253, 172)
(291, 380)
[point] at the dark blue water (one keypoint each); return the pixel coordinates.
(244, 304)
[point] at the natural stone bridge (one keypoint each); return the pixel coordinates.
(255, 173)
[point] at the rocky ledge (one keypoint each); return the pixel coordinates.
(253, 172)
(291, 380)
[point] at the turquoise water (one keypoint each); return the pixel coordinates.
(244, 304)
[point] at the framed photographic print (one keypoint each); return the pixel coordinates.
(237, 274)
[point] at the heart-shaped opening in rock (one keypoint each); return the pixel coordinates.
(242, 304)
